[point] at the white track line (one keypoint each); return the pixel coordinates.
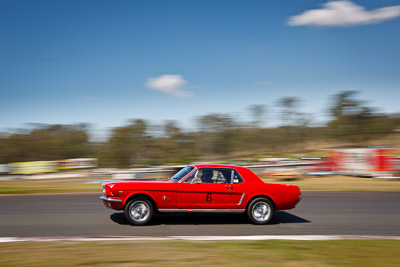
(192, 238)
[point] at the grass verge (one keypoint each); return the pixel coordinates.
(48, 186)
(185, 253)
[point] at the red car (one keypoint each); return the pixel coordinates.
(206, 188)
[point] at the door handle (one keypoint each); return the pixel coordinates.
(229, 187)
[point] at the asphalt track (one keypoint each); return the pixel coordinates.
(319, 213)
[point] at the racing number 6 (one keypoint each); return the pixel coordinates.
(209, 197)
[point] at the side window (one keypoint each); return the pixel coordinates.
(193, 178)
(221, 177)
(236, 178)
(210, 176)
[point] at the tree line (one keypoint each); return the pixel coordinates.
(217, 136)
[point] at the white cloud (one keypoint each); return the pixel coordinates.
(343, 13)
(170, 84)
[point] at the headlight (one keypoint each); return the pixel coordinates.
(107, 191)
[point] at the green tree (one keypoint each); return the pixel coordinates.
(289, 112)
(216, 135)
(46, 142)
(127, 145)
(257, 113)
(355, 122)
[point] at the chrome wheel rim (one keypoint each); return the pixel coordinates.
(261, 211)
(139, 211)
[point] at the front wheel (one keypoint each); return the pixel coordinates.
(260, 211)
(138, 211)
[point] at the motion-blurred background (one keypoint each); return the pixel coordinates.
(301, 91)
(147, 83)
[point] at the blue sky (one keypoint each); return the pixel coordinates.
(104, 62)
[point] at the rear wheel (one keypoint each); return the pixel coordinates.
(138, 211)
(260, 211)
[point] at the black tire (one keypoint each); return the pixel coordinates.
(138, 211)
(260, 211)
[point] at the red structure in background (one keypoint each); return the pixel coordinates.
(371, 162)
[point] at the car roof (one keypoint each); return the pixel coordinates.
(246, 173)
(204, 165)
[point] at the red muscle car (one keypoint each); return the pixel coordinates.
(207, 188)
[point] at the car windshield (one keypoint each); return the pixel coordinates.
(182, 173)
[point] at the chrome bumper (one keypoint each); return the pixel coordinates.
(110, 199)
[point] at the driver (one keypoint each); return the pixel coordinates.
(206, 177)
